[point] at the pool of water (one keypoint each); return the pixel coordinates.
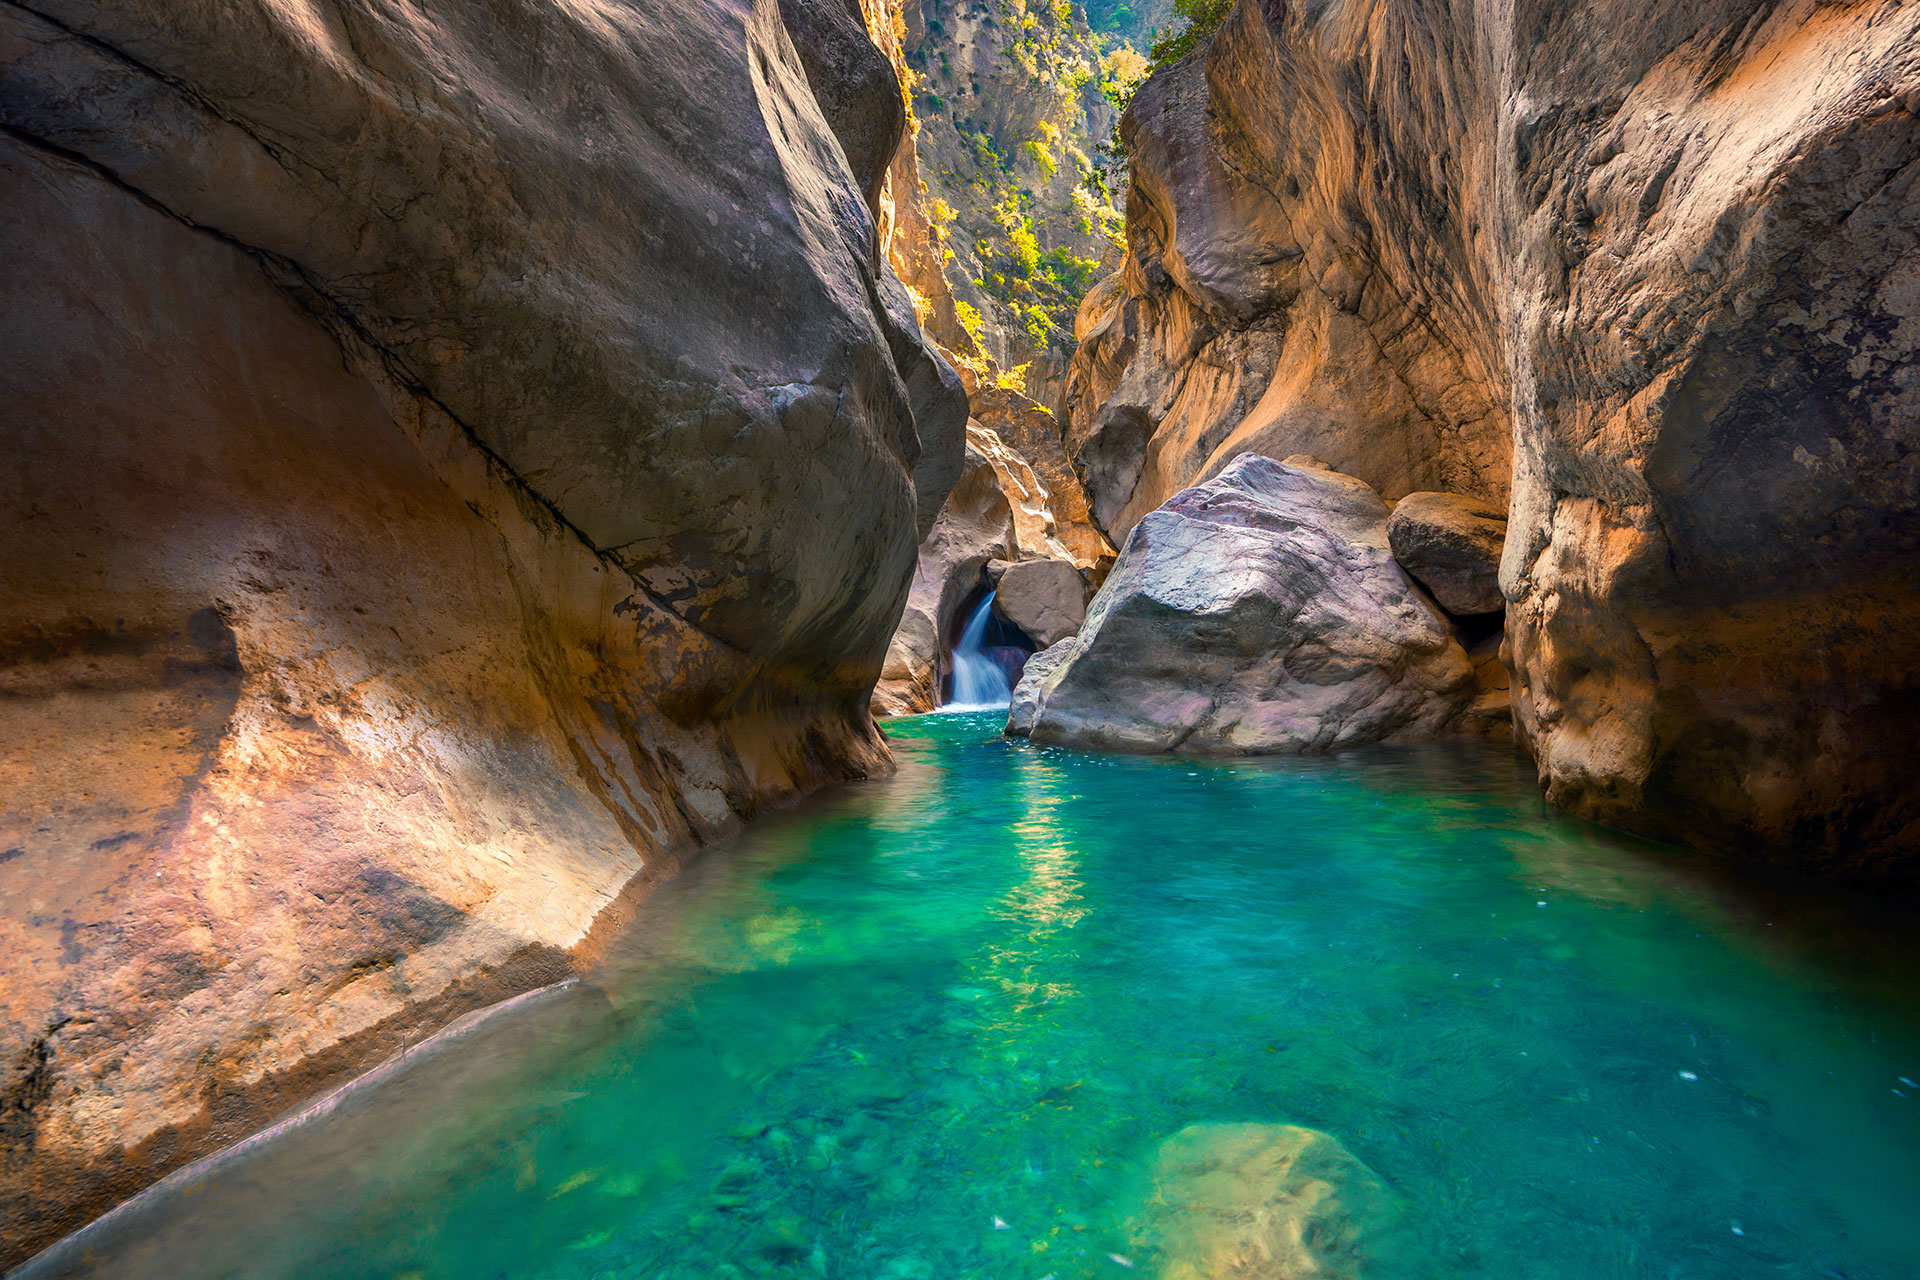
(938, 1025)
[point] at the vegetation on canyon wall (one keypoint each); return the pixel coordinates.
(1010, 100)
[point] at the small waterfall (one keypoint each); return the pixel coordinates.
(978, 682)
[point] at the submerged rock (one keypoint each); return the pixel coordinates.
(1261, 611)
(1268, 1202)
(1451, 544)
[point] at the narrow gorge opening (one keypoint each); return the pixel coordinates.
(984, 656)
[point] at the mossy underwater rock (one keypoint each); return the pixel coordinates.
(1268, 1202)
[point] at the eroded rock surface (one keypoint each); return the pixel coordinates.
(459, 459)
(1451, 545)
(1261, 611)
(1660, 259)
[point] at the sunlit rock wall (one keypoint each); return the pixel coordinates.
(1650, 267)
(459, 459)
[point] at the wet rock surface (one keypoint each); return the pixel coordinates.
(460, 460)
(976, 527)
(1261, 611)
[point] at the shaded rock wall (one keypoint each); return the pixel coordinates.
(1651, 266)
(459, 460)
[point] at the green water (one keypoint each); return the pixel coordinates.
(989, 987)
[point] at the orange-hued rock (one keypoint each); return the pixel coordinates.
(458, 460)
(1648, 275)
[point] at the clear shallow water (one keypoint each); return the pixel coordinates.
(990, 986)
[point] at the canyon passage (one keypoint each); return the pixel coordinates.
(1220, 639)
(950, 1022)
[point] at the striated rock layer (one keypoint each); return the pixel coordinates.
(460, 458)
(1654, 265)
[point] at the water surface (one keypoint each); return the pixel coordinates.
(988, 988)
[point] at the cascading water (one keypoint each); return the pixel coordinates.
(978, 682)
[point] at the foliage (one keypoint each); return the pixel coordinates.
(1199, 19)
(1014, 379)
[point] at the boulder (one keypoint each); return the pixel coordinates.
(1261, 611)
(1451, 544)
(1047, 599)
(1035, 678)
(1269, 1202)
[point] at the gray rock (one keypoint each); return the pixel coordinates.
(486, 451)
(1261, 611)
(1451, 544)
(1035, 679)
(1047, 599)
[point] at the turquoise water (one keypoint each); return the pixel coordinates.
(990, 987)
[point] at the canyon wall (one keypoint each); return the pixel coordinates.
(1646, 270)
(460, 459)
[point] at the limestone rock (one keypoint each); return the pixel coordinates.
(1035, 679)
(854, 83)
(1659, 261)
(1261, 611)
(1047, 599)
(1032, 431)
(1268, 1202)
(460, 457)
(975, 528)
(1451, 544)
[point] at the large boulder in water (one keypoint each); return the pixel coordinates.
(1268, 1202)
(1261, 611)
(1034, 676)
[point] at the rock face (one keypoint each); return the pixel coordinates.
(1268, 1202)
(459, 458)
(1259, 612)
(1660, 260)
(1047, 599)
(1032, 430)
(1451, 544)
